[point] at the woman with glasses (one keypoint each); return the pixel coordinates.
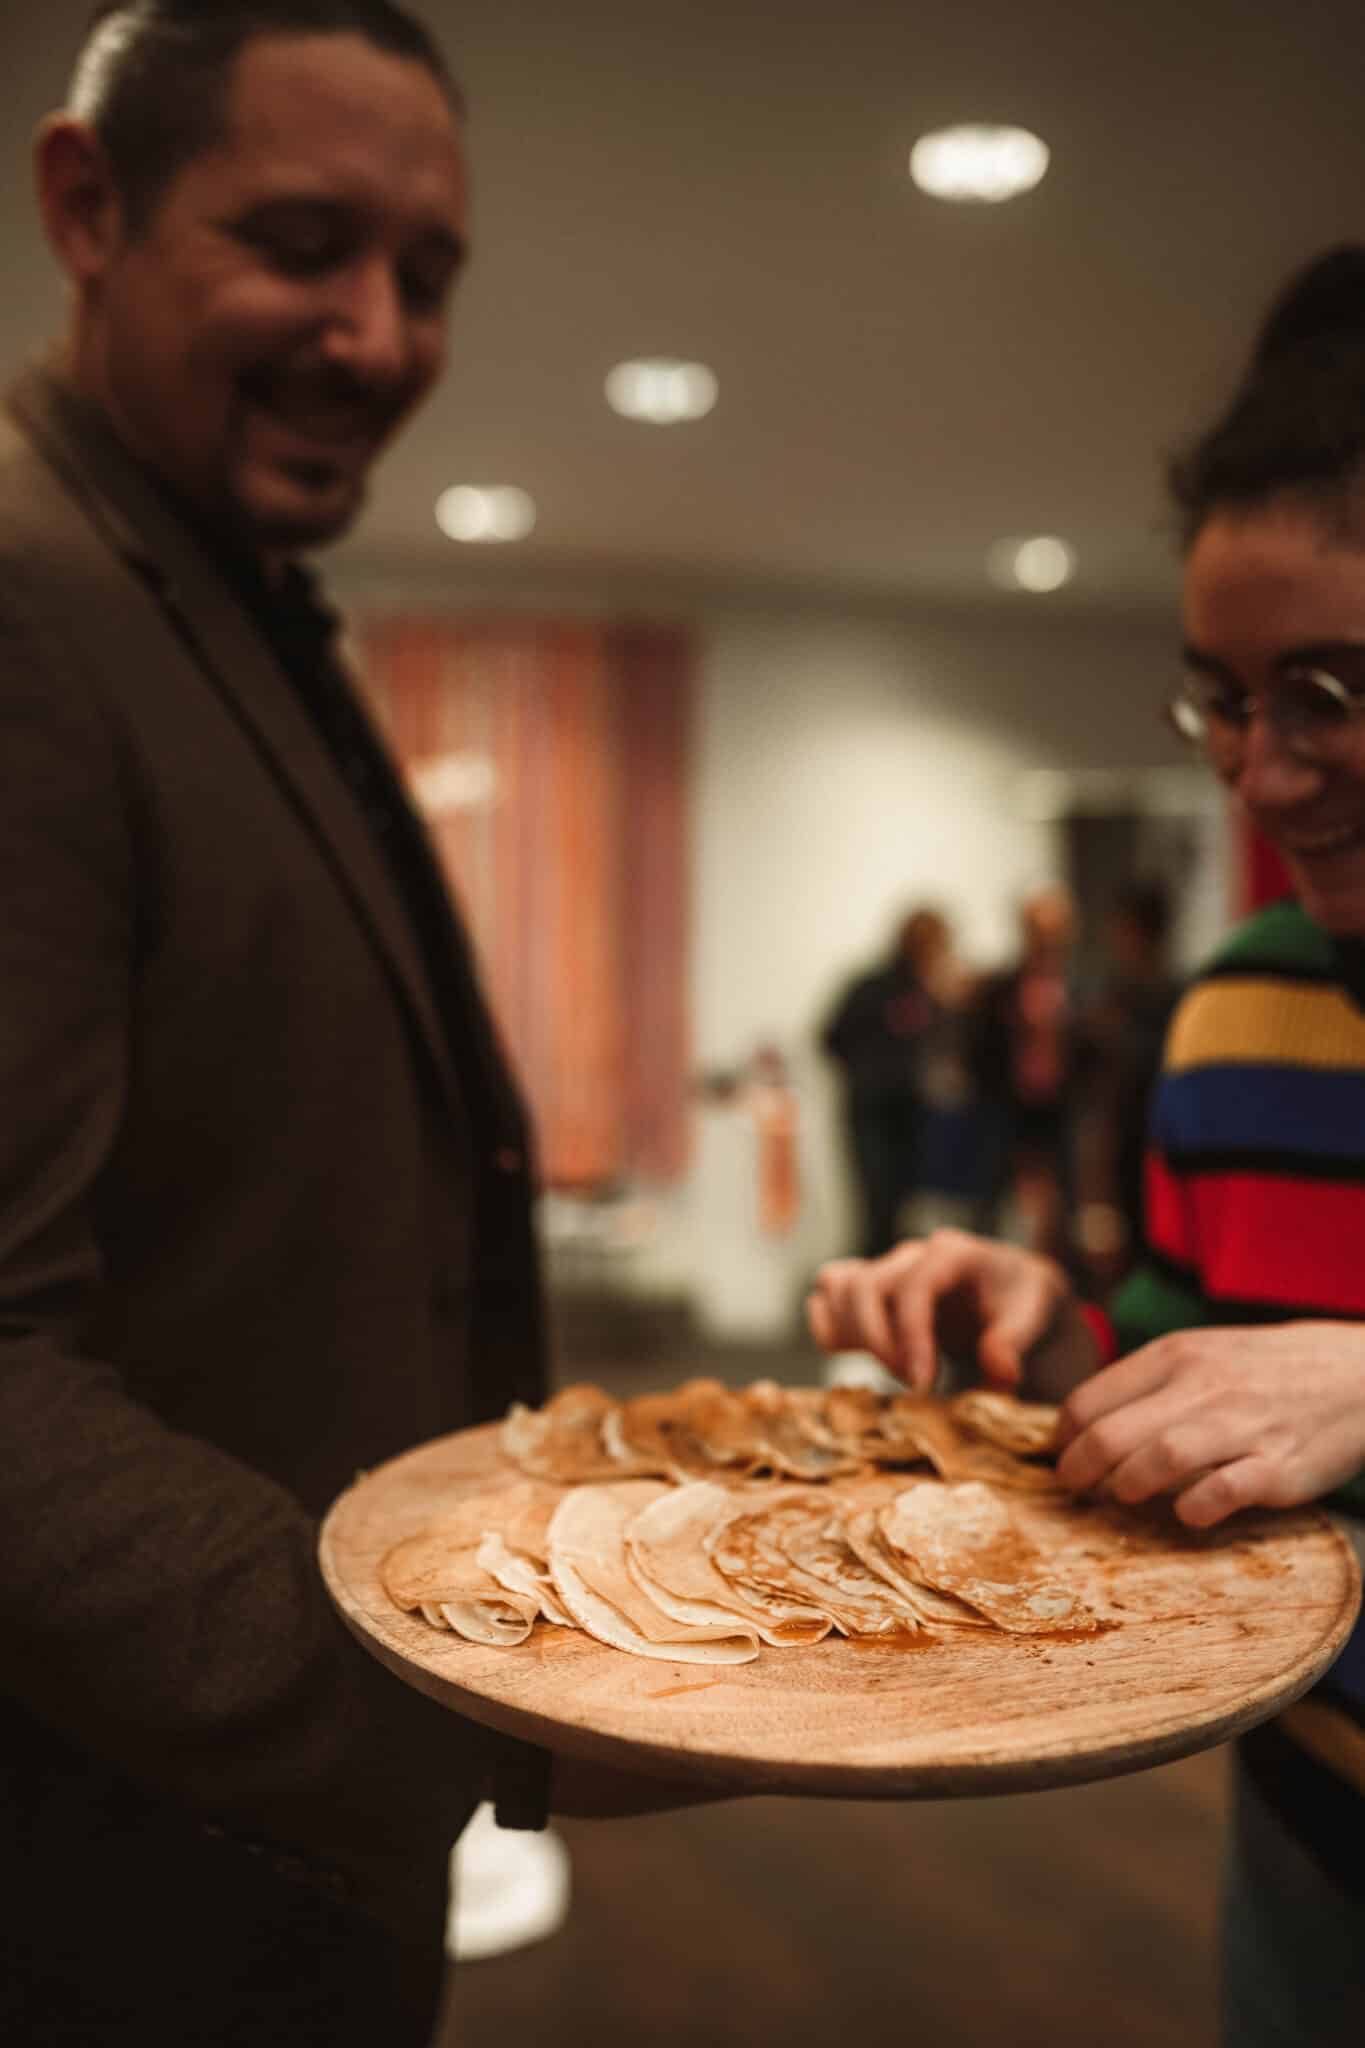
(1229, 1370)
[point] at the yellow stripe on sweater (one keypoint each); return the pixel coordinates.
(1329, 1736)
(1255, 1019)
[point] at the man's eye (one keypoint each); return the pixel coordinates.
(298, 245)
(298, 255)
(425, 286)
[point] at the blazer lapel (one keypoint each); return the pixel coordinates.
(237, 662)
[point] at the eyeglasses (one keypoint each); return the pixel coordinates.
(1315, 715)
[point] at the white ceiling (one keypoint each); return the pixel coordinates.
(901, 382)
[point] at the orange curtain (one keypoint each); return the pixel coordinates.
(550, 760)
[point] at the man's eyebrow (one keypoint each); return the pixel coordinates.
(267, 206)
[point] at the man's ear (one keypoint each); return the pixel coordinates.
(78, 199)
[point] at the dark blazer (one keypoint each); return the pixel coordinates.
(261, 1225)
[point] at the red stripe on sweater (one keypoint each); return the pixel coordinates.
(1258, 1237)
(1170, 1215)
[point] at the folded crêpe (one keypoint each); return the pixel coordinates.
(703, 1427)
(919, 1426)
(667, 1555)
(962, 1539)
(562, 1440)
(704, 1430)
(851, 1414)
(515, 1548)
(437, 1573)
(690, 1432)
(940, 1612)
(1028, 1428)
(517, 1573)
(795, 1547)
(794, 1437)
(588, 1562)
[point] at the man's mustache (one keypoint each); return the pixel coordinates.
(335, 390)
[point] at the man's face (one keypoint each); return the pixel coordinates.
(285, 307)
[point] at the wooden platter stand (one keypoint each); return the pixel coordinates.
(1210, 1633)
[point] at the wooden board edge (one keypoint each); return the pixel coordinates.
(747, 1776)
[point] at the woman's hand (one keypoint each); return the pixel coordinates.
(991, 1303)
(1223, 1419)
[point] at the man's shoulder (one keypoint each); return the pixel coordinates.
(22, 464)
(36, 509)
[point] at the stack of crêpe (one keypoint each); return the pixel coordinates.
(701, 1524)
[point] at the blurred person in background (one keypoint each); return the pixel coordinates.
(1120, 1034)
(265, 1181)
(1242, 1376)
(1022, 1060)
(878, 1034)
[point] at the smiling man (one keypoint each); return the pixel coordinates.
(264, 1181)
(258, 324)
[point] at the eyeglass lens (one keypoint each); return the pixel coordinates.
(1307, 705)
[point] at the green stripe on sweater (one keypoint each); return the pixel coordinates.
(1151, 1303)
(1280, 936)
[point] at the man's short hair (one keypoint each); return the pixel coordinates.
(152, 76)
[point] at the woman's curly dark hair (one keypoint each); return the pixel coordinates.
(1296, 424)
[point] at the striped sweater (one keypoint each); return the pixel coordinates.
(1256, 1170)
(1256, 1213)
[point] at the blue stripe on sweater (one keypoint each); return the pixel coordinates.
(1252, 1109)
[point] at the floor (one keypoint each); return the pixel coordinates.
(1037, 1920)
(1040, 1920)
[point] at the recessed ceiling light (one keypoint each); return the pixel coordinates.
(662, 391)
(1041, 563)
(473, 513)
(978, 163)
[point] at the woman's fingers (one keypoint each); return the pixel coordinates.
(1140, 1374)
(1023, 1320)
(920, 1289)
(1221, 1419)
(848, 1310)
(1244, 1483)
(1149, 1448)
(820, 1320)
(995, 1301)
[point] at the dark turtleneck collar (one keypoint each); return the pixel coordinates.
(289, 607)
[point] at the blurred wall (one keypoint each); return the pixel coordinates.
(848, 768)
(847, 762)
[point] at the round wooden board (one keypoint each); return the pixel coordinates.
(1213, 1633)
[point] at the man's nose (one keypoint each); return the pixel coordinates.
(1268, 775)
(369, 331)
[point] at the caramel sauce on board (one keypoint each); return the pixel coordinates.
(978, 1638)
